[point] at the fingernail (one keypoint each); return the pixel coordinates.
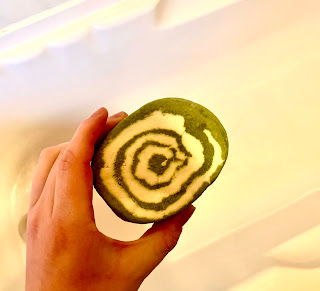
(186, 215)
(119, 114)
(99, 112)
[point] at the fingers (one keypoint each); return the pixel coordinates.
(91, 132)
(79, 151)
(115, 119)
(48, 192)
(159, 240)
(82, 143)
(111, 123)
(46, 161)
(74, 178)
(73, 187)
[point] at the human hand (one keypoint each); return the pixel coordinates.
(65, 250)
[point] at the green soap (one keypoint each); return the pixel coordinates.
(159, 159)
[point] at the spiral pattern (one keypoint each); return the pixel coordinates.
(155, 166)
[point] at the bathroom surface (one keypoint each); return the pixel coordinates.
(22, 12)
(17, 10)
(255, 64)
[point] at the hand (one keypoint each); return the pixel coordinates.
(65, 250)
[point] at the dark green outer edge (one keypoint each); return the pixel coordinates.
(205, 119)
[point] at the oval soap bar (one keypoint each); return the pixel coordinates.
(159, 159)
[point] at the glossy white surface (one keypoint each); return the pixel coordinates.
(16, 10)
(256, 67)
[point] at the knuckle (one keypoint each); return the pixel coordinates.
(86, 127)
(66, 160)
(51, 151)
(85, 124)
(64, 233)
(59, 236)
(32, 222)
(46, 152)
(170, 238)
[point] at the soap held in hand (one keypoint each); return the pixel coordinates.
(159, 159)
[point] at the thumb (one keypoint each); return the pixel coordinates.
(159, 240)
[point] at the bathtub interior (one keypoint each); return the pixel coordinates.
(257, 226)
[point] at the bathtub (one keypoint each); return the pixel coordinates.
(254, 63)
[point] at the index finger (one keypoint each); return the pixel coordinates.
(82, 143)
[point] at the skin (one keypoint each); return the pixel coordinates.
(65, 250)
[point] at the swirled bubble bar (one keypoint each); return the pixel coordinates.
(159, 159)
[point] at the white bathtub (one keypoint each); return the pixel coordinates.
(254, 63)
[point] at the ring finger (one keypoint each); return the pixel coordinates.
(46, 161)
